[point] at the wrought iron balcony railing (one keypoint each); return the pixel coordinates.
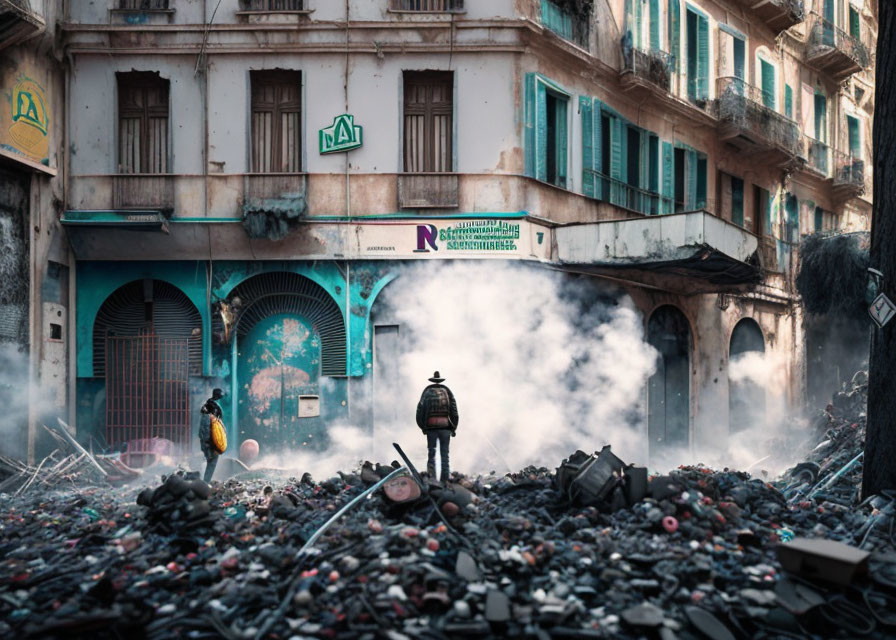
(565, 24)
(826, 38)
(849, 171)
(742, 107)
(625, 195)
(651, 65)
(272, 5)
(817, 154)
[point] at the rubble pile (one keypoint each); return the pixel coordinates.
(595, 549)
(832, 470)
(519, 559)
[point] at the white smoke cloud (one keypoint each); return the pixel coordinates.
(541, 364)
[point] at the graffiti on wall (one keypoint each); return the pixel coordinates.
(25, 122)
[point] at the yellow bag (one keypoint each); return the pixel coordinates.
(219, 435)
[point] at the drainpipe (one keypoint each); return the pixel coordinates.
(348, 215)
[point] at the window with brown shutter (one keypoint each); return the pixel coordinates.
(428, 121)
(276, 121)
(142, 122)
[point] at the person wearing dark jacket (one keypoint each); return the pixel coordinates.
(437, 417)
(209, 409)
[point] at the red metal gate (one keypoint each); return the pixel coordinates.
(147, 389)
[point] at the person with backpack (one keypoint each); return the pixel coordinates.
(210, 409)
(437, 418)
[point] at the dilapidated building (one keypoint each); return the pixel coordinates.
(35, 260)
(244, 178)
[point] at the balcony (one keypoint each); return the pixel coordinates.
(746, 123)
(143, 191)
(835, 52)
(621, 193)
(778, 15)
(18, 22)
(818, 156)
(849, 177)
(645, 71)
(697, 249)
(565, 24)
(427, 191)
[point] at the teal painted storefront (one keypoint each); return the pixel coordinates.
(351, 286)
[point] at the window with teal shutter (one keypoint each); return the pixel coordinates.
(618, 160)
(546, 134)
(739, 48)
(819, 219)
(529, 138)
(559, 143)
(674, 11)
(587, 146)
(701, 181)
(855, 28)
(692, 180)
(855, 141)
(653, 172)
(668, 172)
(788, 101)
(702, 58)
(737, 201)
(821, 117)
(792, 224)
(697, 28)
(768, 83)
(655, 25)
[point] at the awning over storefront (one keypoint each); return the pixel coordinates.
(698, 246)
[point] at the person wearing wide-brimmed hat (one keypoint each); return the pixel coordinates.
(437, 417)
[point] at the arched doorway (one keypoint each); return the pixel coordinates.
(289, 333)
(668, 391)
(746, 397)
(147, 342)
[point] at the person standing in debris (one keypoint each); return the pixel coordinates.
(209, 409)
(437, 417)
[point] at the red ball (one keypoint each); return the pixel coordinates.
(670, 524)
(249, 451)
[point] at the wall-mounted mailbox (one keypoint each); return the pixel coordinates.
(309, 406)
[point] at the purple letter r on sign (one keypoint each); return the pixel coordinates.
(426, 234)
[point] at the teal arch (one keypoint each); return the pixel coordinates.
(96, 281)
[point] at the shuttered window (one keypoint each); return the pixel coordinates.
(855, 141)
(821, 117)
(142, 123)
(737, 201)
(855, 27)
(631, 167)
(767, 71)
(698, 56)
(761, 219)
(674, 33)
(655, 25)
(276, 121)
(546, 144)
(819, 219)
(428, 121)
(788, 101)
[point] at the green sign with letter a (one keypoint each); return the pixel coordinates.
(342, 135)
